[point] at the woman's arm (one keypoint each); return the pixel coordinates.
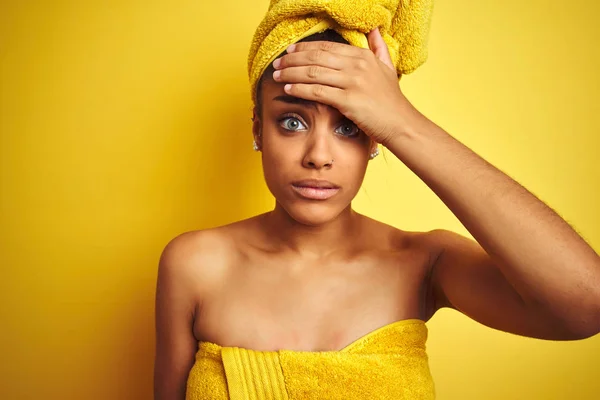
(532, 273)
(175, 341)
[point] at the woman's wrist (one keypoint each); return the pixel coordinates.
(409, 123)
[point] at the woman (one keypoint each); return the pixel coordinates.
(313, 278)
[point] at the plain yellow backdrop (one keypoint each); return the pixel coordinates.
(126, 123)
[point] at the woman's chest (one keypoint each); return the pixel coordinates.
(311, 308)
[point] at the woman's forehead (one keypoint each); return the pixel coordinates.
(273, 94)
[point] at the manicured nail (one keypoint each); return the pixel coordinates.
(291, 48)
(277, 63)
(276, 75)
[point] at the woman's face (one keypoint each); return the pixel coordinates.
(314, 159)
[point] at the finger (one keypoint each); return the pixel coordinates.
(313, 74)
(313, 57)
(332, 47)
(379, 47)
(320, 93)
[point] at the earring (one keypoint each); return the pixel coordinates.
(255, 146)
(374, 154)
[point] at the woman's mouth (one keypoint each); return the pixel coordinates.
(315, 189)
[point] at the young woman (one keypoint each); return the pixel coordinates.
(314, 277)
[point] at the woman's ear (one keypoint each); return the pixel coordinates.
(373, 147)
(256, 128)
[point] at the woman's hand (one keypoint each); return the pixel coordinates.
(361, 83)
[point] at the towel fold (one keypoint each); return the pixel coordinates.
(403, 24)
(388, 363)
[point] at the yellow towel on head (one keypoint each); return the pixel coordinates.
(404, 25)
(389, 363)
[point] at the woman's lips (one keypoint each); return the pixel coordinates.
(315, 193)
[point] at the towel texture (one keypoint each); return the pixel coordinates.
(404, 25)
(389, 363)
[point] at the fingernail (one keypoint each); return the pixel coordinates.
(291, 48)
(276, 75)
(276, 63)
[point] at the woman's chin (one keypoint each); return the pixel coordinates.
(315, 214)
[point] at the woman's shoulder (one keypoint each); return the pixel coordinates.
(389, 237)
(199, 257)
(208, 250)
(196, 245)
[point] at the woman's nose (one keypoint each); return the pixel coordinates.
(319, 165)
(318, 152)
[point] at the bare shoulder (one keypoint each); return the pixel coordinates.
(202, 258)
(437, 240)
(195, 248)
(412, 250)
(388, 237)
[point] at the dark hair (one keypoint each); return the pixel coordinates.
(328, 35)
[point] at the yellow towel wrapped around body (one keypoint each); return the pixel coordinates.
(389, 363)
(403, 24)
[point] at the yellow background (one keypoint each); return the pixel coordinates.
(126, 123)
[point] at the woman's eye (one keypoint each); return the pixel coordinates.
(349, 129)
(291, 123)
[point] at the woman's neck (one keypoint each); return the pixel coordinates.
(312, 241)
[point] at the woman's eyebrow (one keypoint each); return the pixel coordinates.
(295, 100)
